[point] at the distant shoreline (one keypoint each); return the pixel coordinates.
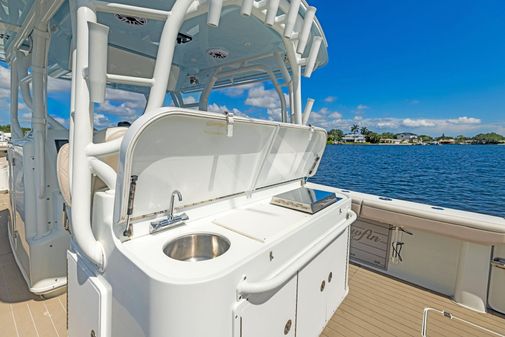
(410, 144)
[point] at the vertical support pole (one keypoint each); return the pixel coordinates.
(291, 104)
(282, 65)
(39, 121)
(71, 123)
(165, 54)
(82, 137)
(16, 130)
(295, 91)
(297, 94)
(22, 64)
(204, 97)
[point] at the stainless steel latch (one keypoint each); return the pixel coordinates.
(229, 123)
(498, 262)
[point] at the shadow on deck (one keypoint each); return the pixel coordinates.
(23, 314)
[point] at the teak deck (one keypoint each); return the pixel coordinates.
(377, 305)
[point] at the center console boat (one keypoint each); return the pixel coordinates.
(187, 222)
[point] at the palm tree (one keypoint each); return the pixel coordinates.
(365, 131)
(355, 128)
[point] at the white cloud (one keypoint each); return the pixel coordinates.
(465, 120)
(190, 100)
(274, 114)
(4, 83)
(25, 117)
(387, 124)
(223, 108)
(327, 119)
(330, 99)
(121, 103)
(458, 123)
(359, 112)
(239, 90)
(58, 85)
(415, 123)
(260, 97)
(101, 120)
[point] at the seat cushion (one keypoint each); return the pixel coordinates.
(63, 161)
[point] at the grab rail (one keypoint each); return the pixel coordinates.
(245, 287)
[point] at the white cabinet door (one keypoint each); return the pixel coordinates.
(322, 286)
(274, 318)
(89, 301)
(337, 255)
(311, 307)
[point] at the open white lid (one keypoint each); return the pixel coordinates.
(207, 156)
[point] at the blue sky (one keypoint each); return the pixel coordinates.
(422, 66)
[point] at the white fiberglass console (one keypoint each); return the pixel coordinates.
(239, 265)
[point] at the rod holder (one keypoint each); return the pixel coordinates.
(291, 18)
(305, 32)
(247, 6)
(314, 51)
(215, 7)
(307, 111)
(273, 7)
(97, 64)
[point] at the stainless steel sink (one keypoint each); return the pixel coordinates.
(197, 247)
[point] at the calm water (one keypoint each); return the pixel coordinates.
(470, 178)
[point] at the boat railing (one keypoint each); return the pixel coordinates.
(91, 38)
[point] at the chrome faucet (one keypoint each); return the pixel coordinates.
(171, 220)
(172, 202)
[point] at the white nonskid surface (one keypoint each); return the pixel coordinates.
(262, 222)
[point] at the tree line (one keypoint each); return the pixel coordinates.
(7, 128)
(336, 135)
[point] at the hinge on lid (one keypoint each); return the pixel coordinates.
(229, 123)
(313, 167)
(311, 134)
(129, 211)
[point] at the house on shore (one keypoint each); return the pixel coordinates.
(354, 138)
(407, 137)
(392, 141)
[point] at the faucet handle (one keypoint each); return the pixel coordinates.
(160, 225)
